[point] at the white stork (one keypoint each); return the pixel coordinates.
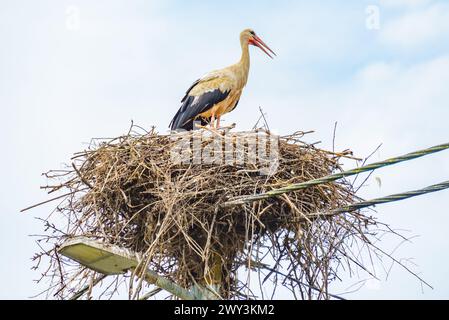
(219, 91)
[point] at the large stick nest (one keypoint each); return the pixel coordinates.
(130, 191)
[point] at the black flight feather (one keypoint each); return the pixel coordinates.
(192, 107)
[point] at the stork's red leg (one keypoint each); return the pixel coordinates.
(212, 120)
(218, 122)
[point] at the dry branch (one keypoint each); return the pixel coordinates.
(129, 192)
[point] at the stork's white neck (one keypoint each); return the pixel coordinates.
(243, 64)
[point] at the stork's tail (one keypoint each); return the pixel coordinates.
(189, 125)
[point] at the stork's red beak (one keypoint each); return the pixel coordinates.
(256, 41)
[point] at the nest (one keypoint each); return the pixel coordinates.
(136, 192)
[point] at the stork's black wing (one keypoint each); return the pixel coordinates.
(193, 106)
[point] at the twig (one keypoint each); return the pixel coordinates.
(78, 295)
(53, 199)
(336, 176)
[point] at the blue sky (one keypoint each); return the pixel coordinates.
(62, 84)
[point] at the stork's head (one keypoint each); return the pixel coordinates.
(248, 36)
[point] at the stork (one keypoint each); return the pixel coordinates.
(219, 91)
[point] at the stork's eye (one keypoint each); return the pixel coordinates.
(252, 32)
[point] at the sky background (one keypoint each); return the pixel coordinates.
(73, 70)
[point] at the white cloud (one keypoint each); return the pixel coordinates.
(402, 3)
(394, 99)
(418, 28)
(390, 98)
